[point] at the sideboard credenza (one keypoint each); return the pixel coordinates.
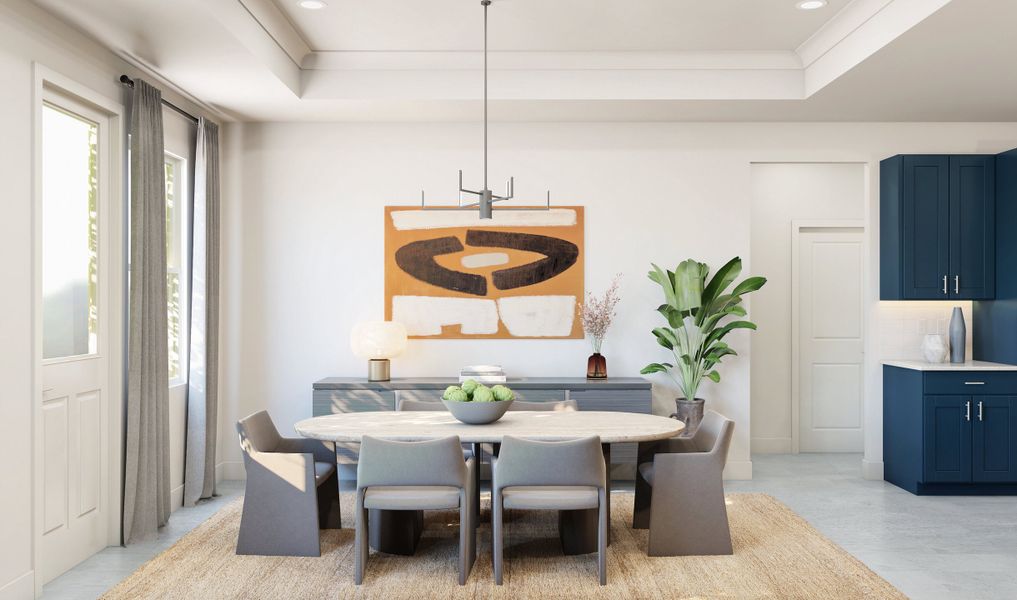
(622, 394)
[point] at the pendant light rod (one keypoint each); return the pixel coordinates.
(485, 197)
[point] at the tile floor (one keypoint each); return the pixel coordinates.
(929, 547)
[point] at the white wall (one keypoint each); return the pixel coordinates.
(27, 35)
(302, 245)
(782, 193)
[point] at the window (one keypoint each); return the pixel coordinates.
(176, 266)
(70, 237)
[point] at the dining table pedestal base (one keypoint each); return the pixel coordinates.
(395, 531)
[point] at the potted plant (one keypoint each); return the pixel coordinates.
(698, 317)
(596, 315)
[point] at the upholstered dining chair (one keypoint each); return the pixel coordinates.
(415, 476)
(469, 450)
(534, 475)
(680, 491)
(292, 491)
(552, 406)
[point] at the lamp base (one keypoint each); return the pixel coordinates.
(379, 369)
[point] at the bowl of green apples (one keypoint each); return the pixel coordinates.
(475, 403)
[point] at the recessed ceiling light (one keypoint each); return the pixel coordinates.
(811, 4)
(316, 4)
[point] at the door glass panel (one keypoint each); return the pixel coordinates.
(70, 234)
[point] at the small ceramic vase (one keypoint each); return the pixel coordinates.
(934, 348)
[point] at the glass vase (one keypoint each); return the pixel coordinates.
(596, 366)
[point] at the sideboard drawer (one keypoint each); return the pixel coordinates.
(328, 402)
(636, 401)
(970, 383)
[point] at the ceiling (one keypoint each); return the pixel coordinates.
(561, 60)
(557, 25)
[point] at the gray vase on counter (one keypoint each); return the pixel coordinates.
(958, 336)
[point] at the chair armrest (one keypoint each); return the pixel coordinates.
(322, 451)
(676, 469)
(471, 468)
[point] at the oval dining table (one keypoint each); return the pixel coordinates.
(398, 531)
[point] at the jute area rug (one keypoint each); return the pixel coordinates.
(776, 555)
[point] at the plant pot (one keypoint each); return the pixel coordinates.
(596, 366)
(689, 412)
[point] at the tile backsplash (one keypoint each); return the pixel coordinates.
(901, 326)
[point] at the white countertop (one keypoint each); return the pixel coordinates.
(971, 365)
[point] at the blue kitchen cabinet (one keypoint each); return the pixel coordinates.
(937, 227)
(947, 444)
(950, 432)
(994, 447)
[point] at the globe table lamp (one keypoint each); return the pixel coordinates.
(378, 341)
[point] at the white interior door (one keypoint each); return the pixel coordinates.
(76, 333)
(830, 325)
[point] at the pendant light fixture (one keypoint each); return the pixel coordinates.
(485, 197)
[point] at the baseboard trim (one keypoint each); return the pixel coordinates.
(230, 470)
(771, 445)
(738, 470)
(20, 588)
(872, 469)
(176, 498)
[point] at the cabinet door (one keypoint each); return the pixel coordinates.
(972, 227)
(926, 260)
(947, 439)
(994, 438)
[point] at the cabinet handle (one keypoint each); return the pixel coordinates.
(944, 285)
(974, 383)
(967, 412)
(956, 284)
(980, 414)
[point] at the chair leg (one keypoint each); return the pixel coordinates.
(465, 531)
(497, 534)
(360, 540)
(602, 538)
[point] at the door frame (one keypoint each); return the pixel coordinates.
(796, 230)
(47, 81)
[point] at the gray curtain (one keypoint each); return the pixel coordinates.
(146, 449)
(202, 383)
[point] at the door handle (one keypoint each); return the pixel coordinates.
(967, 412)
(944, 285)
(956, 284)
(974, 383)
(980, 415)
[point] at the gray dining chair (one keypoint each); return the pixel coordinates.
(415, 476)
(552, 406)
(680, 491)
(292, 491)
(469, 450)
(563, 476)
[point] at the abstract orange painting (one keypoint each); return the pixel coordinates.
(451, 274)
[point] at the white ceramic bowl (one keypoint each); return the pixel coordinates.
(478, 413)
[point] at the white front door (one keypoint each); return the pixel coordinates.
(830, 323)
(76, 325)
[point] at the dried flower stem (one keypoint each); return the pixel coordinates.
(597, 313)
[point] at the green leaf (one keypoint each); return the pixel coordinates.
(688, 284)
(665, 282)
(665, 337)
(656, 368)
(725, 275)
(713, 376)
(750, 284)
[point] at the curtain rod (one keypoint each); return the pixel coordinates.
(127, 81)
